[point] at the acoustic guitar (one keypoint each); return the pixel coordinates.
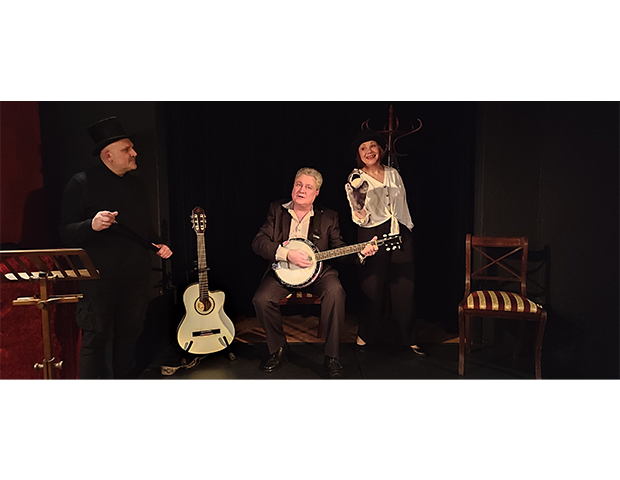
(205, 328)
(292, 276)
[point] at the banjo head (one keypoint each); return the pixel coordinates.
(293, 276)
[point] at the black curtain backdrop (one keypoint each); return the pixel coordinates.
(233, 158)
(545, 169)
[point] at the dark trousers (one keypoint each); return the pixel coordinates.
(387, 282)
(111, 311)
(327, 286)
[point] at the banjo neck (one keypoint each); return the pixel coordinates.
(342, 251)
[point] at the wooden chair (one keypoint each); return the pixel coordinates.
(498, 262)
(301, 298)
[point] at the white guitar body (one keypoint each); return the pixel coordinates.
(204, 328)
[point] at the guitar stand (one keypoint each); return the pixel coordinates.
(183, 363)
(231, 355)
(63, 262)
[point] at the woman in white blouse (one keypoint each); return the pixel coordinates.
(379, 207)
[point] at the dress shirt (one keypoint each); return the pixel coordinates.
(299, 229)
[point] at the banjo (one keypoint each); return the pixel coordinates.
(293, 276)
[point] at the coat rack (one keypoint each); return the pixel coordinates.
(44, 267)
(393, 134)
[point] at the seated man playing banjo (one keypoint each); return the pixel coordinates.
(290, 240)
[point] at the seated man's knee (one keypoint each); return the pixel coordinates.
(258, 300)
(263, 299)
(335, 292)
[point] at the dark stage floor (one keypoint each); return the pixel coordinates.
(306, 360)
(383, 361)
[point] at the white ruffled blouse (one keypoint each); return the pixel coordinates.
(384, 201)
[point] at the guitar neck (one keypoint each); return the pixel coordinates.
(340, 252)
(203, 279)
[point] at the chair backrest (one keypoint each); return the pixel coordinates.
(496, 259)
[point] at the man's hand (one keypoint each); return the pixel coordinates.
(164, 250)
(298, 258)
(103, 220)
(371, 248)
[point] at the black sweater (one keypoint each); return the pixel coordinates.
(114, 253)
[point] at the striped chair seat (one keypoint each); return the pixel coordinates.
(501, 301)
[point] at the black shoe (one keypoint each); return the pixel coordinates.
(417, 351)
(276, 359)
(333, 368)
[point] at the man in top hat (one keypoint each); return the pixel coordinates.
(105, 210)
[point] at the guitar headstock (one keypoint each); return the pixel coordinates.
(391, 242)
(199, 220)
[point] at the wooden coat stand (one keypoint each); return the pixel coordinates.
(66, 266)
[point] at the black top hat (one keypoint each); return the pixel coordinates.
(105, 132)
(367, 136)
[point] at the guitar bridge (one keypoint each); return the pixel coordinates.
(206, 333)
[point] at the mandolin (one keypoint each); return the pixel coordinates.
(205, 328)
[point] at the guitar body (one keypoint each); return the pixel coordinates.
(204, 328)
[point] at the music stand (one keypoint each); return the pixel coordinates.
(49, 265)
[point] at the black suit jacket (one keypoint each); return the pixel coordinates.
(276, 228)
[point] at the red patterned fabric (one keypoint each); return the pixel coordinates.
(21, 336)
(501, 301)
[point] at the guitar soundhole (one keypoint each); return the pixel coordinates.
(204, 306)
